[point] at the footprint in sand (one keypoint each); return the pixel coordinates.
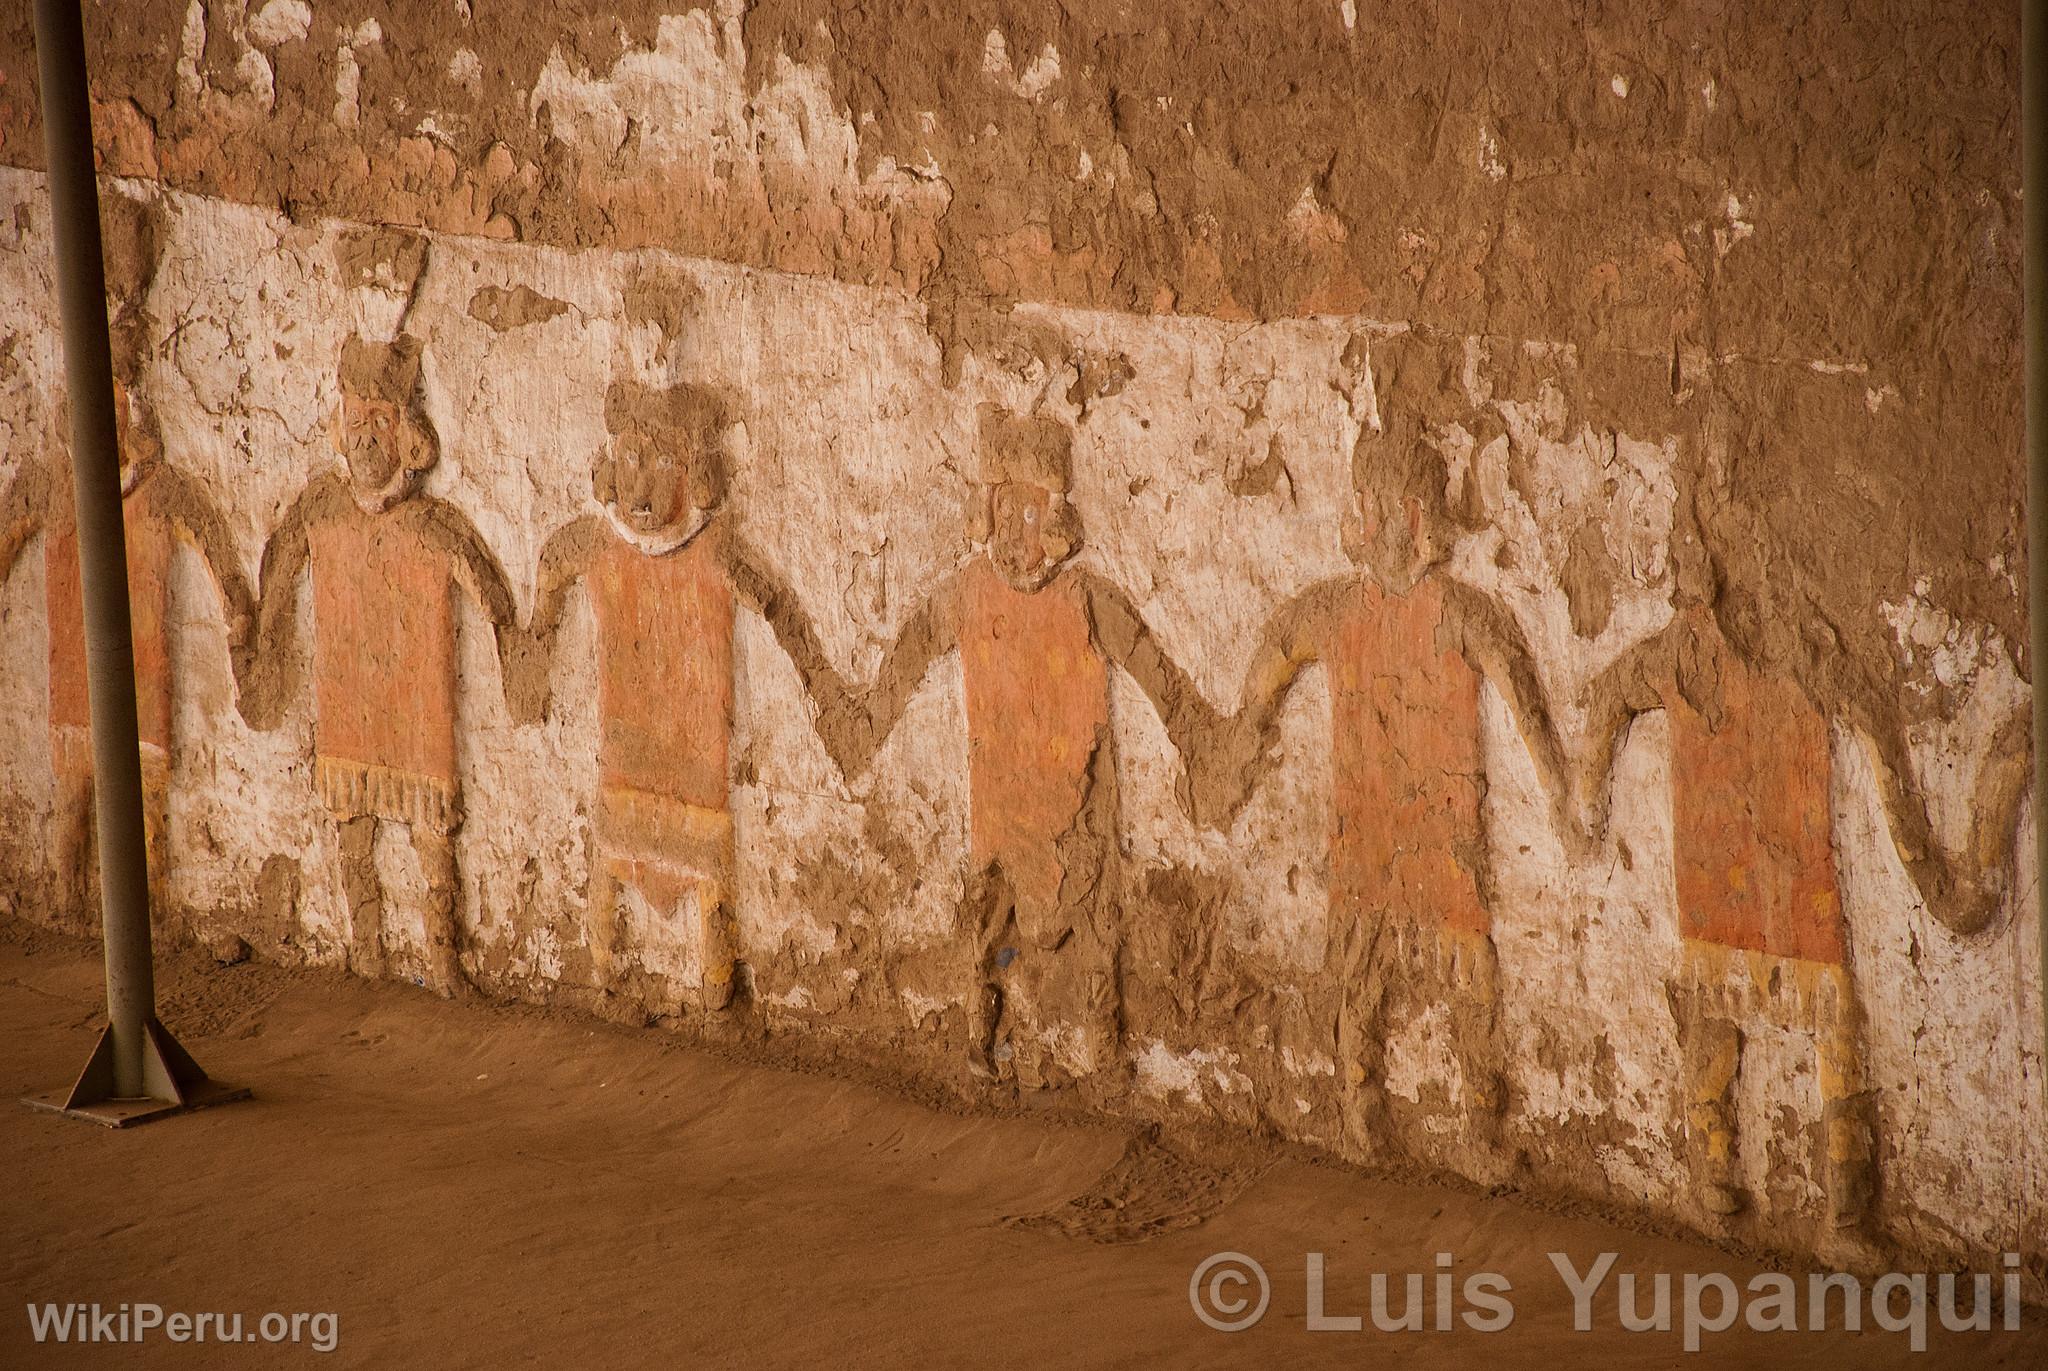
(1150, 1190)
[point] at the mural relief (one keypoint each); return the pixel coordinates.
(1759, 910)
(385, 563)
(162, 510)
(354, 622)
(1405, 651)
(655, 571)
(1039, 918)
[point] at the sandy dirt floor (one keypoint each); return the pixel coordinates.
(488, 1186)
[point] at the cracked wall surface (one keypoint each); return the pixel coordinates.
(1443, 584)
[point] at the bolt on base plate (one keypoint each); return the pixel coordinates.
(174, 1083)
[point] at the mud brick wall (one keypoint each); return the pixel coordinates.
(1442, 582)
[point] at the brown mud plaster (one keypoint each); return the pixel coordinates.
(503, 309)
(1632, 231)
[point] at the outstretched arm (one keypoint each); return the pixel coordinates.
(1640, 680)
(196, 516)
(1223, 756)
(853, 722)
(21, 511)
(1490, 638)
(266, 662)
(448, 531)
(1965, 890)
(527, 655)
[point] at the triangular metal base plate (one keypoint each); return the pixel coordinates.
(174, 1083)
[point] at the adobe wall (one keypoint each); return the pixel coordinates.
(1441, 583)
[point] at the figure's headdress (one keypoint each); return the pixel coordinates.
(1027, 448)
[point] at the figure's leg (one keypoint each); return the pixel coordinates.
(625, 895)
(357, 840)
(985, 1006)
(1713, 1064)
(1067, 999)
(608, 876)
(1078, 978)
(72, 852)
(1846, 1106)
(436, 850)
(1363, 952)
(1471, 978)
(1105, 999)
(990, 909)
(156, 835)
(719, 931)
(649, 918)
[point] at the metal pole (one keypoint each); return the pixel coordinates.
(2034, 172)
(102, 547)
(137, 1070)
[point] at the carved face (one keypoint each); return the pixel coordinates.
(1030, 532)
(659, 488)
(1392, 539)
(1019, 514)
(387, 451)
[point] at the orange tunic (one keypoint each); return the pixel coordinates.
(151, 542)
(384, 647)
(664, 629)
(1752, 822)
(1037, 700)
(1405, 831)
